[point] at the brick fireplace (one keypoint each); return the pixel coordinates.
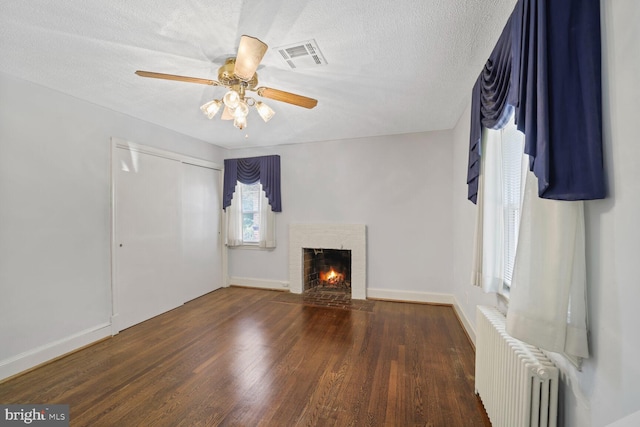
(347, 241)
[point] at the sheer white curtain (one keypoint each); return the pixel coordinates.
(233, 214)
(547, 305)
(267, 223)
(488, 267)
(547, 294)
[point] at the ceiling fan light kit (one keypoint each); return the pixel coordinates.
(239, 75)
(231, 99)
(210, 109)
(241, 110)
(265, 111)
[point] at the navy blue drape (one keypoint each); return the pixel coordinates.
(249, 170)
(491, 102)
(554, 85)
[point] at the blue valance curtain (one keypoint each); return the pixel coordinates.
(546, 67)
(249, 170)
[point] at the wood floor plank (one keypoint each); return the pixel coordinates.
(246, 357)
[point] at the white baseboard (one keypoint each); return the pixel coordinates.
(466, 324)
(410, 296)
(278, 285)
(39, 355)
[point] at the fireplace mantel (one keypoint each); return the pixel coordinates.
(351, 237)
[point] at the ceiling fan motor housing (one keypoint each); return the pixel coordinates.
(229, 79)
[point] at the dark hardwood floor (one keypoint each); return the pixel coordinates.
(244, 357)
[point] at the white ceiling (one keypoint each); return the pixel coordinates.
(393, 66)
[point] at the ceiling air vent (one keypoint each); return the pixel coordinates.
(302, 55)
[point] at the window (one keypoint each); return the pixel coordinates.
(250, 220)
(250, 211)
(543, 231)
(499, 201)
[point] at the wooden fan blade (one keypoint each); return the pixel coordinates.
(178, 78)
(226, 114)
(250, 53)
(290, 98)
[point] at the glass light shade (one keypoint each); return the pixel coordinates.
(265, 111)
(231, 99)
(240, 122)
(241, 110)
(210, 109)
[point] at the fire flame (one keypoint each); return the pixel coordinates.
(331, 277)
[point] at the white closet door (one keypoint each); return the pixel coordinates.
(201, 237)
(147, 236)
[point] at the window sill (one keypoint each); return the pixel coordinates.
(250, 247)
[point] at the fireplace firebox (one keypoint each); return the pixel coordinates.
(327, 269)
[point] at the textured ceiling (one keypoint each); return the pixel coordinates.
(393, 67)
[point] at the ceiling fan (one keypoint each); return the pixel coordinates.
(239, 76)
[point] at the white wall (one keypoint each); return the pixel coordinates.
(611, 381)
(399, 186)
(608, 388)
(55, 223)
